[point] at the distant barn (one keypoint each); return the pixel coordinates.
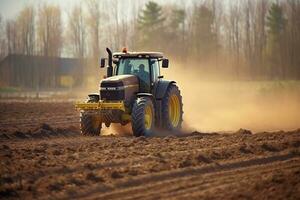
(30, 72)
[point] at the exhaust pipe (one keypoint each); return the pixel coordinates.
(110, 67)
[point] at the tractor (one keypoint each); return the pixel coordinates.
(133, 91)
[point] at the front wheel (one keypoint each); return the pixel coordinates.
(143, 117)
(89, 124)
(172, 109)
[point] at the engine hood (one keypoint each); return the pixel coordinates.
(119, 81)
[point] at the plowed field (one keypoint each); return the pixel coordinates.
(43, 156)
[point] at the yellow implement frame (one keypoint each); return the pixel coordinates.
(102, 105)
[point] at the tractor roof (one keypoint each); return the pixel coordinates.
(138, 55)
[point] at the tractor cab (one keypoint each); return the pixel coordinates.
(144, 65)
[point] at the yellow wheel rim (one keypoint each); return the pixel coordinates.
(148, 117)
(174, 110)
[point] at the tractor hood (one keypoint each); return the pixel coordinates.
(121, 87)
(120, 80)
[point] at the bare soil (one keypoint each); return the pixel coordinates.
(42, 155)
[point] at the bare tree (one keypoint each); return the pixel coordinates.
(26, 28)
(3, 49)
(234, 34)
(217, 7)
(115, 23)
(77, 32)
(124, 30)
(248, 10)
(260, 38)
(12, 37)
(119, 24)
(94, 22)
(50, 30)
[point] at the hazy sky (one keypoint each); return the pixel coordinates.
(10, 8)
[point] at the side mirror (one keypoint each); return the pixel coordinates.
(102, 62)
(115, 62)
(165, 63)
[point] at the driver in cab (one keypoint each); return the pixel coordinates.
(144, 77)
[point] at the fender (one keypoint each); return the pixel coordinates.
(144, 95)
(161, 88)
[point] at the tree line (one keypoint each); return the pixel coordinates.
(253, 39)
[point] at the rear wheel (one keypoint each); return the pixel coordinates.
(143, 119)
(172, 109)
(89, 124)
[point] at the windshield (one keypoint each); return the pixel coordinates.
(132, 66)
(135, 66)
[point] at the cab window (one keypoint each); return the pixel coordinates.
(138, 67)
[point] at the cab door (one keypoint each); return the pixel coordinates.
(155, 73)
(154, 65)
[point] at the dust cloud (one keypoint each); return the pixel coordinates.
(117, 129)
(224, 105)
(218, 104)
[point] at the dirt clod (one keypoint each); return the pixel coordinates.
(204, 159)
(244, 132)
(115, 175)
(93, 177)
